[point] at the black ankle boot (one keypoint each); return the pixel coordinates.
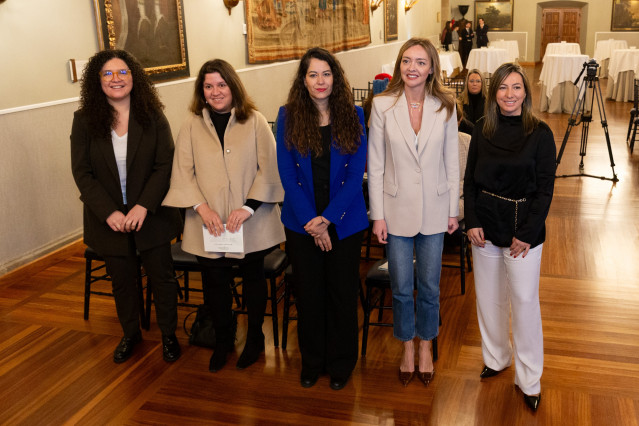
(251, 353)
(225, 343)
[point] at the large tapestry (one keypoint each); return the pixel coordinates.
(285, 29)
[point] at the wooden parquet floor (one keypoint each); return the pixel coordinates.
(56, 368)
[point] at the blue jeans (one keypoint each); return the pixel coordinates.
(409, 321)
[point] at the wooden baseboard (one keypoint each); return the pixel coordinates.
(74, 248)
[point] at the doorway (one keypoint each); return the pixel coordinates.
(559, 25)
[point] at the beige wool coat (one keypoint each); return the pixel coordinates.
(247, 168)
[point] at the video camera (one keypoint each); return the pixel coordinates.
(591, 68)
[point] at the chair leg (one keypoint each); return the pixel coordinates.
(634, 134)
(382, 299)
(633, 113)
(287, 308)
(273, 284)
(435, 355)
(87, 288)
(186, 286)
(367, 313)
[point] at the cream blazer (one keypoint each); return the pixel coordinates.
(246, 169)
(413, 186)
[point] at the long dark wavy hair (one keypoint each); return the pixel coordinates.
(303, 119)
(242, 103)
(433, 84)
(491, 115)
(145, 102)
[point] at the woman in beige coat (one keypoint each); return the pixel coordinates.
(225, 174)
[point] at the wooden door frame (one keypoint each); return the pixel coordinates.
(562, 8)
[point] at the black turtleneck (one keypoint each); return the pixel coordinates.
(474, 109)
(515, 166)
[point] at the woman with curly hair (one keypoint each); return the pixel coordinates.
(225, 173)
(413, 184)
(121, 156)
(321, 155)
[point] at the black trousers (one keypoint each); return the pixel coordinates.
(158, 266)
(464, 51)
(217, 275)
(326, 289)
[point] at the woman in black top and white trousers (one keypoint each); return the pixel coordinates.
(508, 188)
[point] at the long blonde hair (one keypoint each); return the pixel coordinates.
(464, 94)
(434, 85)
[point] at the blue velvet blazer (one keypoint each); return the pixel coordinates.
(346, 208)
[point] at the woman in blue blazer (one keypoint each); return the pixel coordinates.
(321, 154)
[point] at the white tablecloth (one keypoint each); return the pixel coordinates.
(604, 50)
(511, 46)
(449, 61)
(487, 60)
(624, 66)
(623, 60)
(562, 48)
(558, 69)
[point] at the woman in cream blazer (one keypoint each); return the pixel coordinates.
(225, 174)
(413, 181)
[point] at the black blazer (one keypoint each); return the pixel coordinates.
(149, 161)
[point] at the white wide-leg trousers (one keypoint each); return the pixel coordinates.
(504, 284)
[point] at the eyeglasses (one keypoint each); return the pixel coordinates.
(109, 75)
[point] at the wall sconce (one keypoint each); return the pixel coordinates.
(230, 4)
(375, 4)
(408, 4)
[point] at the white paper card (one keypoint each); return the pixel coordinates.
(227, 242)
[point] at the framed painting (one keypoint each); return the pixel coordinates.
(152, 30)
(625, 15)
(498, 15)
(390, 20)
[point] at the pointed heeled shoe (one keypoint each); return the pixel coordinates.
(406, 377)
(532, 401)
(426, 377)
(489, 372)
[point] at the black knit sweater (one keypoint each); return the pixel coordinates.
(510, 165)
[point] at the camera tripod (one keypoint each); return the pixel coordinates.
(590, 83)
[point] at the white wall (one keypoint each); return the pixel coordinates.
(39, 207)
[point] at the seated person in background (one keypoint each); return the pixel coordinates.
(473, 97)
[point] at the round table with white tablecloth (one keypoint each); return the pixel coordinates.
(604, 50)
(562, 48)
(449, 62)
(624, 65)
(558, 92)
(511, 46)
(487, 60)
